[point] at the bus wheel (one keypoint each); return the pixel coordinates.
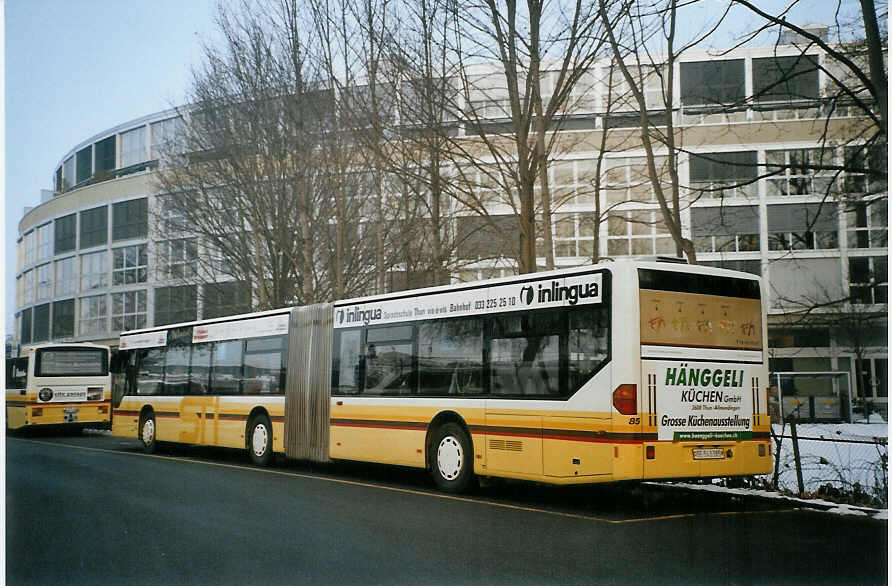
(452, 464)
(260, 440)
(148, 433)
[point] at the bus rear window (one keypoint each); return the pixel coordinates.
(71, 362)
(680, 282)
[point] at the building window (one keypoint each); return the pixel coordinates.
(66, 276)
(25, 332)
(41, 327)
(229, 298)
(574, 235)
(66, 234)
(869, 279)
(63, 319)
(175, 304)
(178, 259)
(130, 265)
(874, 378)
(19, 291)
(629, 180)
(44, 281)
(93, 315)
(754, 267)
(477, 238)
(130, 219)
(167, 137)
(865, 172)
(44, 242)
(723, 175)
(30, 241)
(638, 232)
(712, 82)
(105, 156)
(798, 172)
(84, 164)
(68, 173)
(28, 287)
(133, 147)
(811, 226)
(94, 270)
(58, 185)
(94, 227)
(867, 224)
(19, 255)
(725, 229)
(785, 79)
(128, 310)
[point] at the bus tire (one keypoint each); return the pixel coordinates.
(148, 433)
(259, 440)
(452, 458)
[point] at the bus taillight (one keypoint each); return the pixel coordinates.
(625, 399)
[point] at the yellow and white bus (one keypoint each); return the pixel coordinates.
(617, 371)
(59, 384)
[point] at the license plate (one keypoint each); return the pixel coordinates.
(709, 453)
(69, 414)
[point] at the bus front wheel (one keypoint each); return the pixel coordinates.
(148, 433)
(260, 440)
(452, 464)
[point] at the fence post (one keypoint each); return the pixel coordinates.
(796, 456)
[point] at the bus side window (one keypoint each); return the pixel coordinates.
(150, 374)
(200, 369)
(264, 358)
(16, 373)
(589, 343)
(388, 361)
(226, 368)
(176, 370)
(347, 367)
(450, 357)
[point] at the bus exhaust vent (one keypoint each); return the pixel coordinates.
(506, 445)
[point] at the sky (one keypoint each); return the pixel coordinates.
(74, 68)
(77, 67)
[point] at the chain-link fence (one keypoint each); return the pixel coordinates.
(843, 464)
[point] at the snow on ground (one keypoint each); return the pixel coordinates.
(835, 454)
(847, 456)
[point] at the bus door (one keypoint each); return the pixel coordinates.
(524, 365)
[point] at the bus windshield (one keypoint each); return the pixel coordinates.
(71, 362)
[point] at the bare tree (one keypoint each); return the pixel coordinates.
(253, 185)
(507, 114)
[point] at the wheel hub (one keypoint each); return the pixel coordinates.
(148, 432)
(450, 458)
(258, 440)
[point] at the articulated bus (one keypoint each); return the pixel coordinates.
(59, 384)
(624, 370)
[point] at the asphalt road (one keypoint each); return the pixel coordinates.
(93, 509)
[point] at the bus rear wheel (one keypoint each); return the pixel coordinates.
(451, 458)
(259, 440)
(148, 433)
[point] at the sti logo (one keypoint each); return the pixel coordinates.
(45, 394)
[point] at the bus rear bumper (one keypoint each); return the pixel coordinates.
(94, 415)
(706, 460)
